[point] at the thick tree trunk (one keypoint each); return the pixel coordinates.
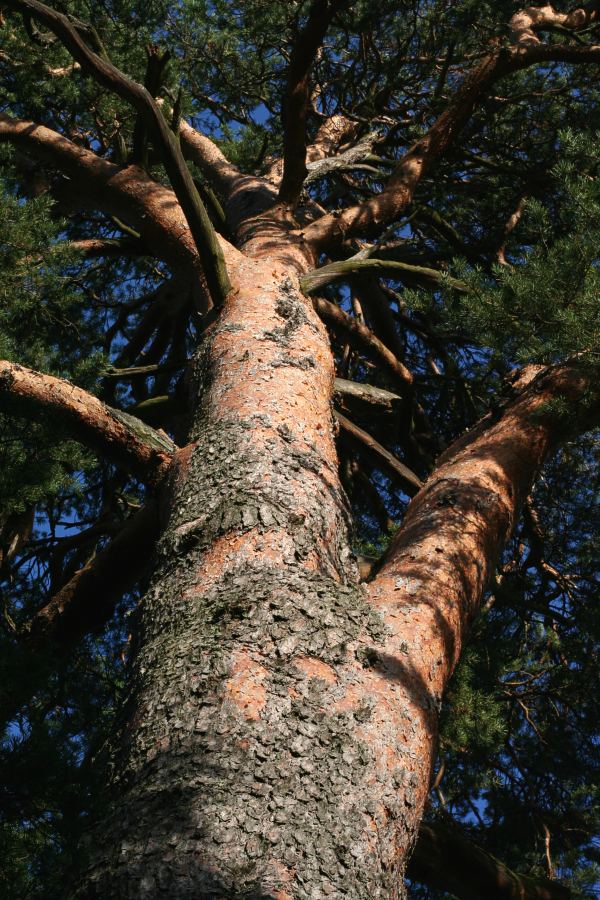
(281, 721)
(243, 768)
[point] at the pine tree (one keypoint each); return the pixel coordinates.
(298, 500)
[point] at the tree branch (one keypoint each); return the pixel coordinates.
(109, 432)
(244, 196)
(465, 513)
(114, 80)
(294, 107)
(213, 164)
(335, 131)
(370, 397)
(344, 269)
(127, 192)
(351, 158)
(360, 337)
(387, 206)
(87, 601)
(332, 134)
(80, 607)
(525, 23)
(382, 457)
(155, 67)
(108, 247)
(446, 860)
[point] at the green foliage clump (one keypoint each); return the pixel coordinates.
(543, 305)
(43, 325)
(473, 719)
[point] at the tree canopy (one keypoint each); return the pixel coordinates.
(444, 158)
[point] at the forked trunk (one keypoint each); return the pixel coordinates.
(281, 722)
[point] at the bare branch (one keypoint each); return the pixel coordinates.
(363, 339)
(366, 394)
(109, 432)
(382, 457)
(294, 106)
(509, 226)
(357, 157)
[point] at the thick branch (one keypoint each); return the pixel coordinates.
(332, 134)
(110, 77)
(444, 859)
(109, 432)
(127, 192)
(213, 164)
(440, 561)
(244, 196)
(294, 106)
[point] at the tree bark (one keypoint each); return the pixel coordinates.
(227, 757)
(281, 719)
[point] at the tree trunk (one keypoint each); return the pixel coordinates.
(244, 768)
(280, 727)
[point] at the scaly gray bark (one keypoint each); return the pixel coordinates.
(228, 759)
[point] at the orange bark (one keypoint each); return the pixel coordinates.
(105, 430)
